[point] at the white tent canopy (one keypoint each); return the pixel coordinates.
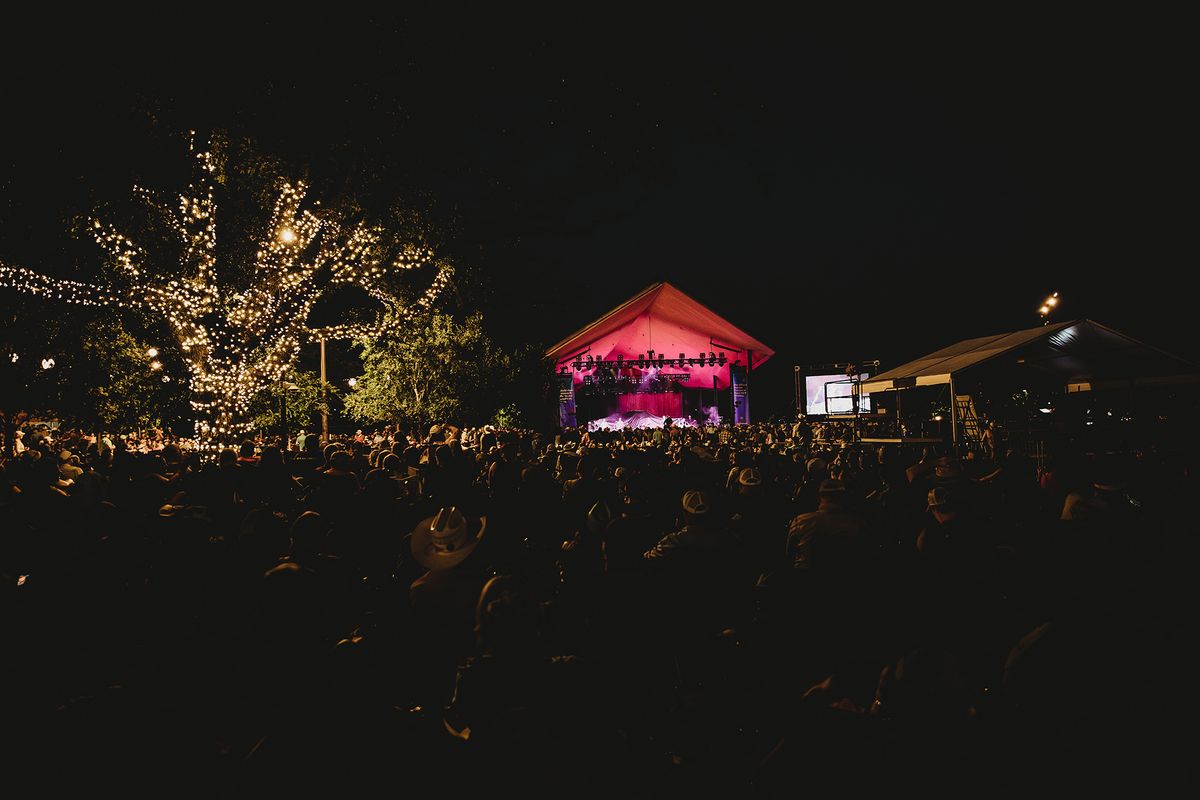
(1083, 354)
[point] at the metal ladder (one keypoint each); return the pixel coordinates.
(968, 422)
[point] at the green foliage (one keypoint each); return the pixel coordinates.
(434, 368)
(304, 403)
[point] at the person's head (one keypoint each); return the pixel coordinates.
(598, 517)
(697, 507)
(508, 616)
(308, 536)
(947, 468)
(246, 450)
(328, 452)
(749, 482)
(926, 691)
(942, 504)
(227, 457)
(341, 461)
(832, 493)
(446, 539)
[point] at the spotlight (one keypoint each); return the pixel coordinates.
(47, 363)
(15, 358)
(712, 359)
(287, 236)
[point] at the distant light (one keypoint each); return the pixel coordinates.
(152, 352)
(166, 378)
(47, 363)
(1046, 410)
(937, 417)
(1044, 310)
(155, 365)
(15, 357)
(352, 382)
(1052, 301)
(287, 236)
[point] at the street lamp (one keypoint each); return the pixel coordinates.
(285, 386)
(1047, 306)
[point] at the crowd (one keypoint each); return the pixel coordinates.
(736, 612)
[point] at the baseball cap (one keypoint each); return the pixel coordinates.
(939, 497)
(695, 502)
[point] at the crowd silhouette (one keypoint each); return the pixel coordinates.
(735, 612)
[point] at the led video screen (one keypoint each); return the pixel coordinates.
(840, 401)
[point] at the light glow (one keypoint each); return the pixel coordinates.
(238, 341)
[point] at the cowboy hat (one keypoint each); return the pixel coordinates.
(446, 539)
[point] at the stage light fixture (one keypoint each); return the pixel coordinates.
(712, 359)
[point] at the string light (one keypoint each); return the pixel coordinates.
(237, 343)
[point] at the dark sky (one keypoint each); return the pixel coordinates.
(843, 190)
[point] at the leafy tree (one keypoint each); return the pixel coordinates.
(434, 368)
(239, 337)
(304, 403)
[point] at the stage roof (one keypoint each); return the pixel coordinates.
(1083, 354)
(663, 319)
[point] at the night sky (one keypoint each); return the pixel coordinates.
(842, 190)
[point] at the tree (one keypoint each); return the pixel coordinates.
(236, 339)
(434, 368)
(304, 403)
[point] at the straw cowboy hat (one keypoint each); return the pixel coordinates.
(446, 539)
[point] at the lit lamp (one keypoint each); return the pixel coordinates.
(1047, 306)
(287, 236)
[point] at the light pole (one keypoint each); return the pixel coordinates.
(324, 400)
(284, 387)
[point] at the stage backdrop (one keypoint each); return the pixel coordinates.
(667, 404)
(664, 321)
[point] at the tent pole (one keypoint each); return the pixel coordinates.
(953, 417)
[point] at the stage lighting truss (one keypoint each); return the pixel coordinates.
(648, 360)
(623, 384)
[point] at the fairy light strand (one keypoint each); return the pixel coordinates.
(256, 334)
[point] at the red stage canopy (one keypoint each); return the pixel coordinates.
(663, 319)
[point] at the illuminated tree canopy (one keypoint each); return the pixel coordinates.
(238, 340)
